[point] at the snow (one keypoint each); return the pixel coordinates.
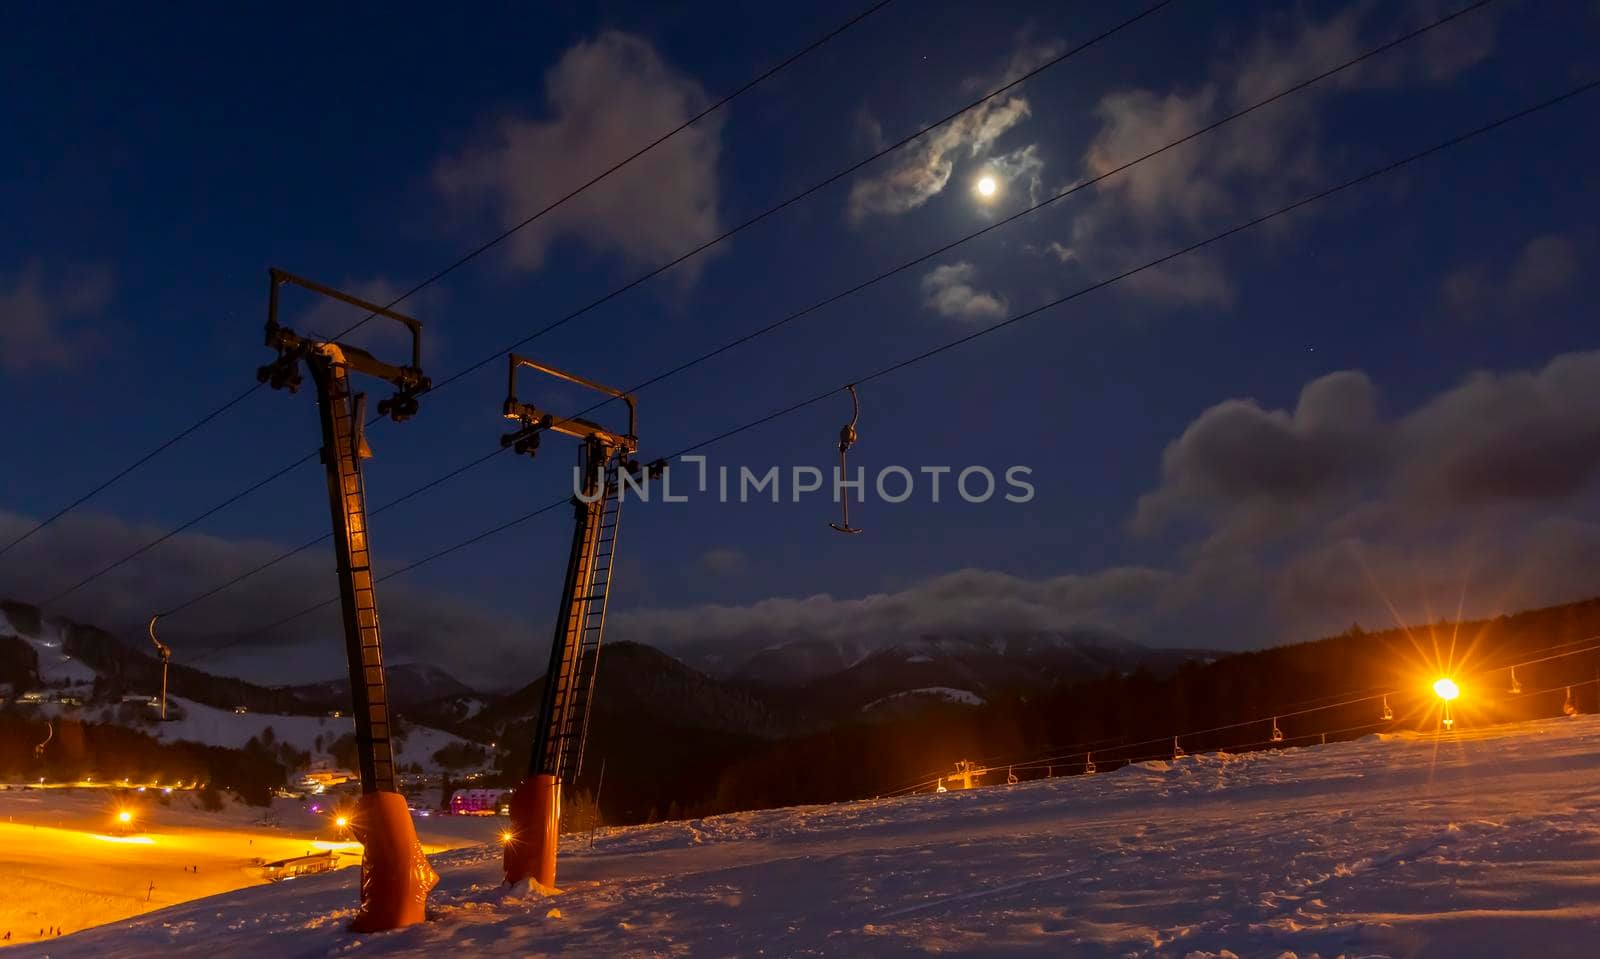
(1482, 844)
(207, 724)
(56, 668)
(948, 693)
(61, 864)
(223, 727)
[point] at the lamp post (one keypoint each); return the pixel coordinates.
(1447, 691)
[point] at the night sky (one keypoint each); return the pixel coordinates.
(1387, 398)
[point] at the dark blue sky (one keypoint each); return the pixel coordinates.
(160, 160)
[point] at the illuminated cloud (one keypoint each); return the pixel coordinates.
(969, 601)
(1496, 439)
(607, 97)
(1250, 165)
(921, 170)
(1545, 268)
(948, 291)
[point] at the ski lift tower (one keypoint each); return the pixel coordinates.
(395, 875)
(561, 728)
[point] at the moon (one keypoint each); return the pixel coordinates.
(986, 186)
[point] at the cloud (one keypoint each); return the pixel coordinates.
(922, 169)
(1022, 167)
(1244, 167)
(1296, 522)
(1545, 268)
(948, 291)
(1309, 519)
(42, 326)
(607, 97)
(1519, 436)
(1239, 459)
(725, 561)
(1496, 441)
(1055, 248)
(969, 601)
(477, 645)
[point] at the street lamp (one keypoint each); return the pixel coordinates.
(1446, 689)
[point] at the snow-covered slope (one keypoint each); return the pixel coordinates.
(62, 675)
(939, 693)
(313, 734)
(56, 667)
(1485, 844)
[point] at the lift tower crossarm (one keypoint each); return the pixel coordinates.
(381, 370)
(395, 875)
(531, 417)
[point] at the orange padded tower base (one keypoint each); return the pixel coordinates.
(535, 831)
(395, 875)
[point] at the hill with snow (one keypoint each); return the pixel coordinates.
(1480, 844)
(66, 671)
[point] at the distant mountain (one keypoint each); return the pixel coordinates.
(796, 663)
(829, 675)
(69, 654)
(410, 685)
(986, 668)
(662, 732)
(70, 672)
(646, 685)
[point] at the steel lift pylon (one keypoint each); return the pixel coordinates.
(395, 875)
(561, 727)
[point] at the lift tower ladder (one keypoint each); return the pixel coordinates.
(561, 729)
(575, 649)
(395, 875)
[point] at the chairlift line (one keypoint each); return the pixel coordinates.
(1371, 174)
(807, 310)
(484, 248)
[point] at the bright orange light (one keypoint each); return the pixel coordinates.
(1446, 689)
(124, 817)
(341, 822)
(506, 836)
(136, 840)
(324, 844)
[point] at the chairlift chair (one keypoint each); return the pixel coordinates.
(847, 439)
